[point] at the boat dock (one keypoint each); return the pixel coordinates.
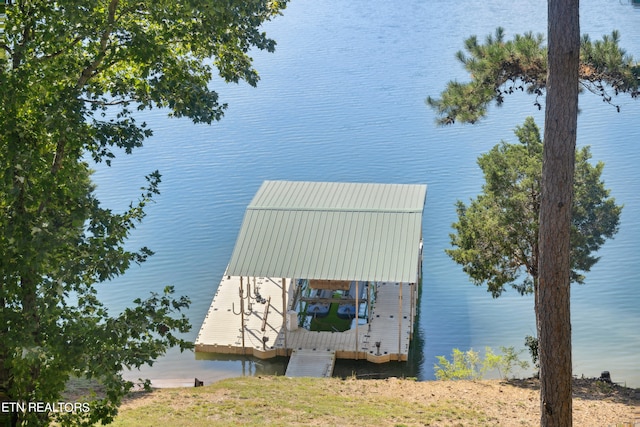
(321, 271)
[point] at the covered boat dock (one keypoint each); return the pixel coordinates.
(322, 267)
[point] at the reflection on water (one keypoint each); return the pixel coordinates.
(249, 365)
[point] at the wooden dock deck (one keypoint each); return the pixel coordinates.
(251, 323)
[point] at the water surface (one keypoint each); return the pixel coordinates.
(342, 99)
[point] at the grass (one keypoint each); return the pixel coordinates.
(277, 401)
(331, 322)
(280, 401)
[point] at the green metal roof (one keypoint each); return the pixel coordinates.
(332, 231)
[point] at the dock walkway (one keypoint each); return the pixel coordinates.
(310, 363)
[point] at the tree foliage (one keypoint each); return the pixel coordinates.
(499, 67)
(73, 74)
(469, 365)
(496, 235)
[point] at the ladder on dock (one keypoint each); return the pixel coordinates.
(311, 363)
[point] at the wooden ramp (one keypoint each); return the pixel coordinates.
(311, 363)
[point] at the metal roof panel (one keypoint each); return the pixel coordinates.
(334, 231)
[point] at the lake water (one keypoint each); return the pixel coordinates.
(342, 99)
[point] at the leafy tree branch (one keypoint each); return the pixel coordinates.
(499, 67)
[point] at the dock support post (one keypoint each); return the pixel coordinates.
(284, 312)
(412, 286)
(400, 321)
(357, 317)
(242, 313)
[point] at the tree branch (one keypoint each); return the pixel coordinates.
(85, 75)
(106, 103)
(74, 42)
(91, 70)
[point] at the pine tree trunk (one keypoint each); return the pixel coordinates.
(561, 113)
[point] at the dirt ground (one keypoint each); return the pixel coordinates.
(517, 402)
(505, 403)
